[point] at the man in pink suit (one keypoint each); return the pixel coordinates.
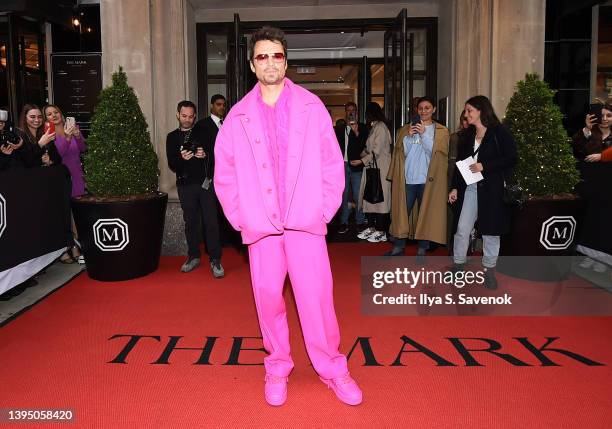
(279, 176)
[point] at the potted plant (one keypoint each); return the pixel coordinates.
(121, 220)
(546, 171)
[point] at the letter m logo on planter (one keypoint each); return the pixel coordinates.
(111, 235)
(558, 232)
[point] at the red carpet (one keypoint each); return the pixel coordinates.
(58, 356)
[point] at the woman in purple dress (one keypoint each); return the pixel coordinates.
(70, 144)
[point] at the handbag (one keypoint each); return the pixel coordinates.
(513, 195)
(373, 191)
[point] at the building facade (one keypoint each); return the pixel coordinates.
(358, 50)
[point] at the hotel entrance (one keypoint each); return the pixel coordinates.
(386, 60)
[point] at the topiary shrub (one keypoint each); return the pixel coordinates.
(120, 160)
(546, 165)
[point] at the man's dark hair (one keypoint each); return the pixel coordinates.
(216, 97)
(350, 103)
(186, 103)
(267, 33)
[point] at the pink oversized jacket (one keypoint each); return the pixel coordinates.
(244, 179)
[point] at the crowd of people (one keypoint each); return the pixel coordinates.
(417, 171)
(419, 177)
(419, 180)
(46, 138)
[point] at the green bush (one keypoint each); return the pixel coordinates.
(120, 160)
(546, 165)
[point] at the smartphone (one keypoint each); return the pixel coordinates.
(70, 122)
(351, 118)
(416, 119)
(595, 109)
(49, 127)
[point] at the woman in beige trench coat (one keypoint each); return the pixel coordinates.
(419, 183)
(378, 144)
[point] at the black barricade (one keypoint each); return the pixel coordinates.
(34, 213)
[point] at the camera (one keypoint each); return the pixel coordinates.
(8, 136)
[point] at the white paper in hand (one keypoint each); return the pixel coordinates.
(464, 169)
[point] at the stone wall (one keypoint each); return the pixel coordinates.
(497, 42)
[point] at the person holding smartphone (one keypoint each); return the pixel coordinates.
(352, 136)
(592, 147)
(191, 159)
(70, 143)
(419, 174)
(595, 137)
(39, 144)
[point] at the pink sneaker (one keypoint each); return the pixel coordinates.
(345, 388)
(275, 390)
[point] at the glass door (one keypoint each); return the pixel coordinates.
(238, 70)
(399, 72)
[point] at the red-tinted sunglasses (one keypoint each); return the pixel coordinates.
(277, 57)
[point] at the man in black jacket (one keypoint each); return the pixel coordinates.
(352, 136)
(192, 159)
(207, 130)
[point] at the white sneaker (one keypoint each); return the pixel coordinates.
(586, 263)
(363, 235)
(598, 267)
(377, 237)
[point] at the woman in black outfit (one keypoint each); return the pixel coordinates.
(39, 149)
(595, 240)
(494, 151)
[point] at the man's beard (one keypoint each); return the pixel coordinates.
(272, 78)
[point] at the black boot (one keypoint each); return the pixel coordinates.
(490, 282)
(457, 268)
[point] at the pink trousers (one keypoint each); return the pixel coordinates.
(304, 256)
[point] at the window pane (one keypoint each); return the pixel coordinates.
(217, 54)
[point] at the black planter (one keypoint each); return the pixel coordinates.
(121, 240)
(542, 240)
